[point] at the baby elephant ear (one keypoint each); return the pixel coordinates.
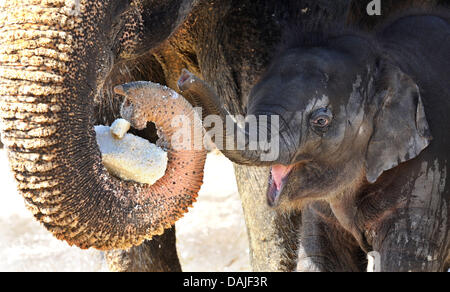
(401, 129)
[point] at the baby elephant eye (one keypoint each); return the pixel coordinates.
(321, 119)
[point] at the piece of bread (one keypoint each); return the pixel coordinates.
(131, 157)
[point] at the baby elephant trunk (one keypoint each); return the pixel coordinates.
(253, 140)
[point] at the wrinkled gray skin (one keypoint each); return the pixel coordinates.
(365, 126)
(229, 44)
(363, 135)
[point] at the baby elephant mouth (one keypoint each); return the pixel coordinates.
(278, 179)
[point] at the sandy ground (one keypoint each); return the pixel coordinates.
(211, 237)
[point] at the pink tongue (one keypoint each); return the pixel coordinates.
(279, 172)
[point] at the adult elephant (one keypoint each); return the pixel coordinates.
(58, 59)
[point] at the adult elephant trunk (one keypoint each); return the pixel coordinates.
(259, 135)
(46, 89)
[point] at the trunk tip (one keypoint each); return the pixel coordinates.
(185, 76)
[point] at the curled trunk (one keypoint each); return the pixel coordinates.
(48, 128)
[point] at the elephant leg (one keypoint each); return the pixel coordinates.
(324, 246)
(401, 248)
(272, 235)
(156, 255)
(407, 223)
(411, 240)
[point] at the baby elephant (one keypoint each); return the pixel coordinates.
(364, 135)
(365, 143)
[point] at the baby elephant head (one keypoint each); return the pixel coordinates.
(347, 113)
